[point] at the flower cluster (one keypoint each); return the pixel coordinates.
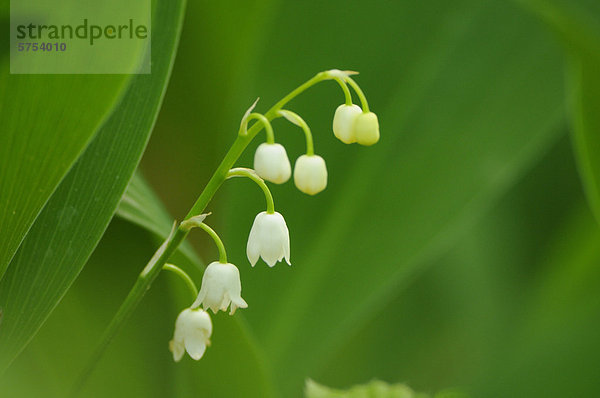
(269, 237)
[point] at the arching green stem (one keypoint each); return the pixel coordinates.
(319, 77)
(265, 122)
(184, 276)
(242, 142)
(218, 242)
(298, 121)
(360, 93)
(198, 222)
(345, 89)
(251, 174)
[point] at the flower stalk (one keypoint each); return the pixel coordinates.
(184, 277)
(298, 121)
(180, 230)
(266, 124)
(218, 241)
(243, 172)
(361, 95)
(345, 89)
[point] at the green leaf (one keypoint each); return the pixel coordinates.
(374, 389)
(234, 350)
(73, 221)
(474, 106)
(140, 206)
(577, 24)
(47, 121)
(585, 116)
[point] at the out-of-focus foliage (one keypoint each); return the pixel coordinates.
(586, 124)
(374, 389)
(577, 24)
(459, 252)
(477, 102)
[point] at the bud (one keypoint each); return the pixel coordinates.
(366, 129)
(343, 122)
(310, 174)
(272, 164)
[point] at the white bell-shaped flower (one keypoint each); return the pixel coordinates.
(192, 334)
(221, 287)
(269, 238)
(343, 122)
(310, 174)
(366, 129)
(272, 164)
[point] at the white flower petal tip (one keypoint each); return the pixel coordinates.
(366, 129)
(253, 259)
(269, 238)
(193, 329)
(221, 288)
(177, 349)
(310, 174)
(343, 122)
(271, 163)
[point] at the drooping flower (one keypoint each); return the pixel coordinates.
(272, 164)
(269, 238)
(343, 122)
(221, 287)
(310, 174)
(192, 334)
(366, 129)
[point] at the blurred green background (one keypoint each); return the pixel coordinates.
(458, 252)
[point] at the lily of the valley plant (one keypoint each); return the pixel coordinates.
(269, 237)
